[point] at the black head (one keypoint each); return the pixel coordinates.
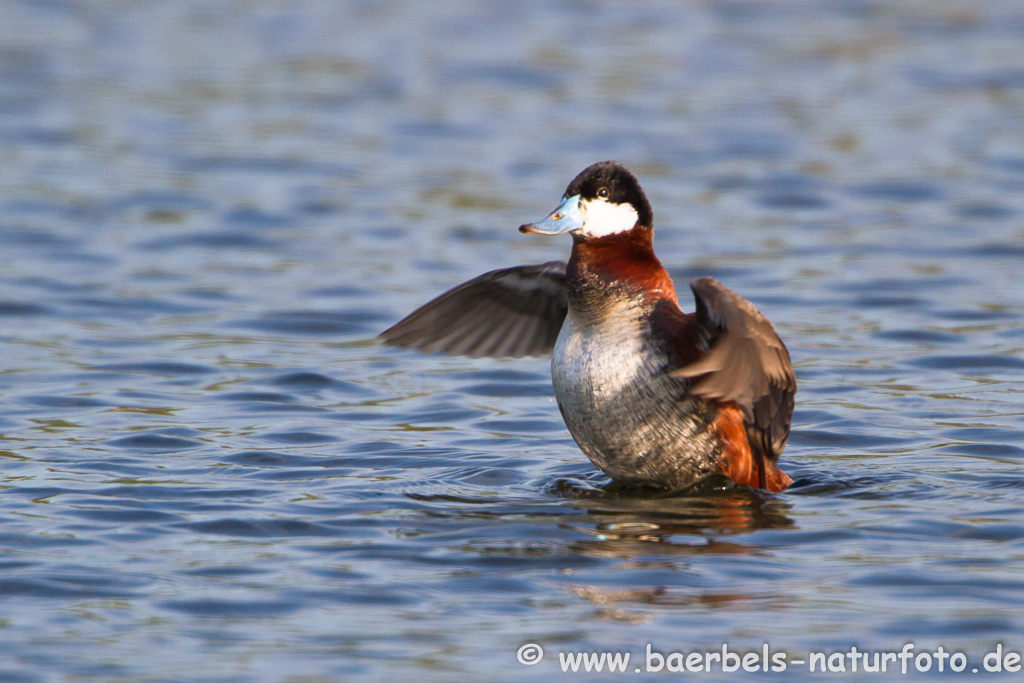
(605, 199)
(612, 182)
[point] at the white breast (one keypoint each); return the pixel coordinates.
(594, 364)
(626, 414)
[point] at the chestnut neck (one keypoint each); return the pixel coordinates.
(619, 265)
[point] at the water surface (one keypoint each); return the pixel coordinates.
(212, 472)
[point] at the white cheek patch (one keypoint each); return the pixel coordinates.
(601, 218)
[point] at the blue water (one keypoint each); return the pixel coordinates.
(213, 472)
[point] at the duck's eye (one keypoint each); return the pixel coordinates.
(603, 193)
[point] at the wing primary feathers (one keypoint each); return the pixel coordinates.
(746, 363)
(510, 312)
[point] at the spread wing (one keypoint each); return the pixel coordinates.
(746, 362)
(512, 312)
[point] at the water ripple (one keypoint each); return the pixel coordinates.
(212, 471)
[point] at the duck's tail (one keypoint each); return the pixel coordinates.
(741, 463)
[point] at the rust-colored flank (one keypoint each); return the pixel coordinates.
(739, 462)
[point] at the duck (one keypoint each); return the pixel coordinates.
(655, 397)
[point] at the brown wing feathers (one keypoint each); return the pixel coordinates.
(512, 312)
(746, 365)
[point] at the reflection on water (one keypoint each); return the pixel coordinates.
(713, 506)
(211, 471)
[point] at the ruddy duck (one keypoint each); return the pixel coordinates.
(652, 395)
